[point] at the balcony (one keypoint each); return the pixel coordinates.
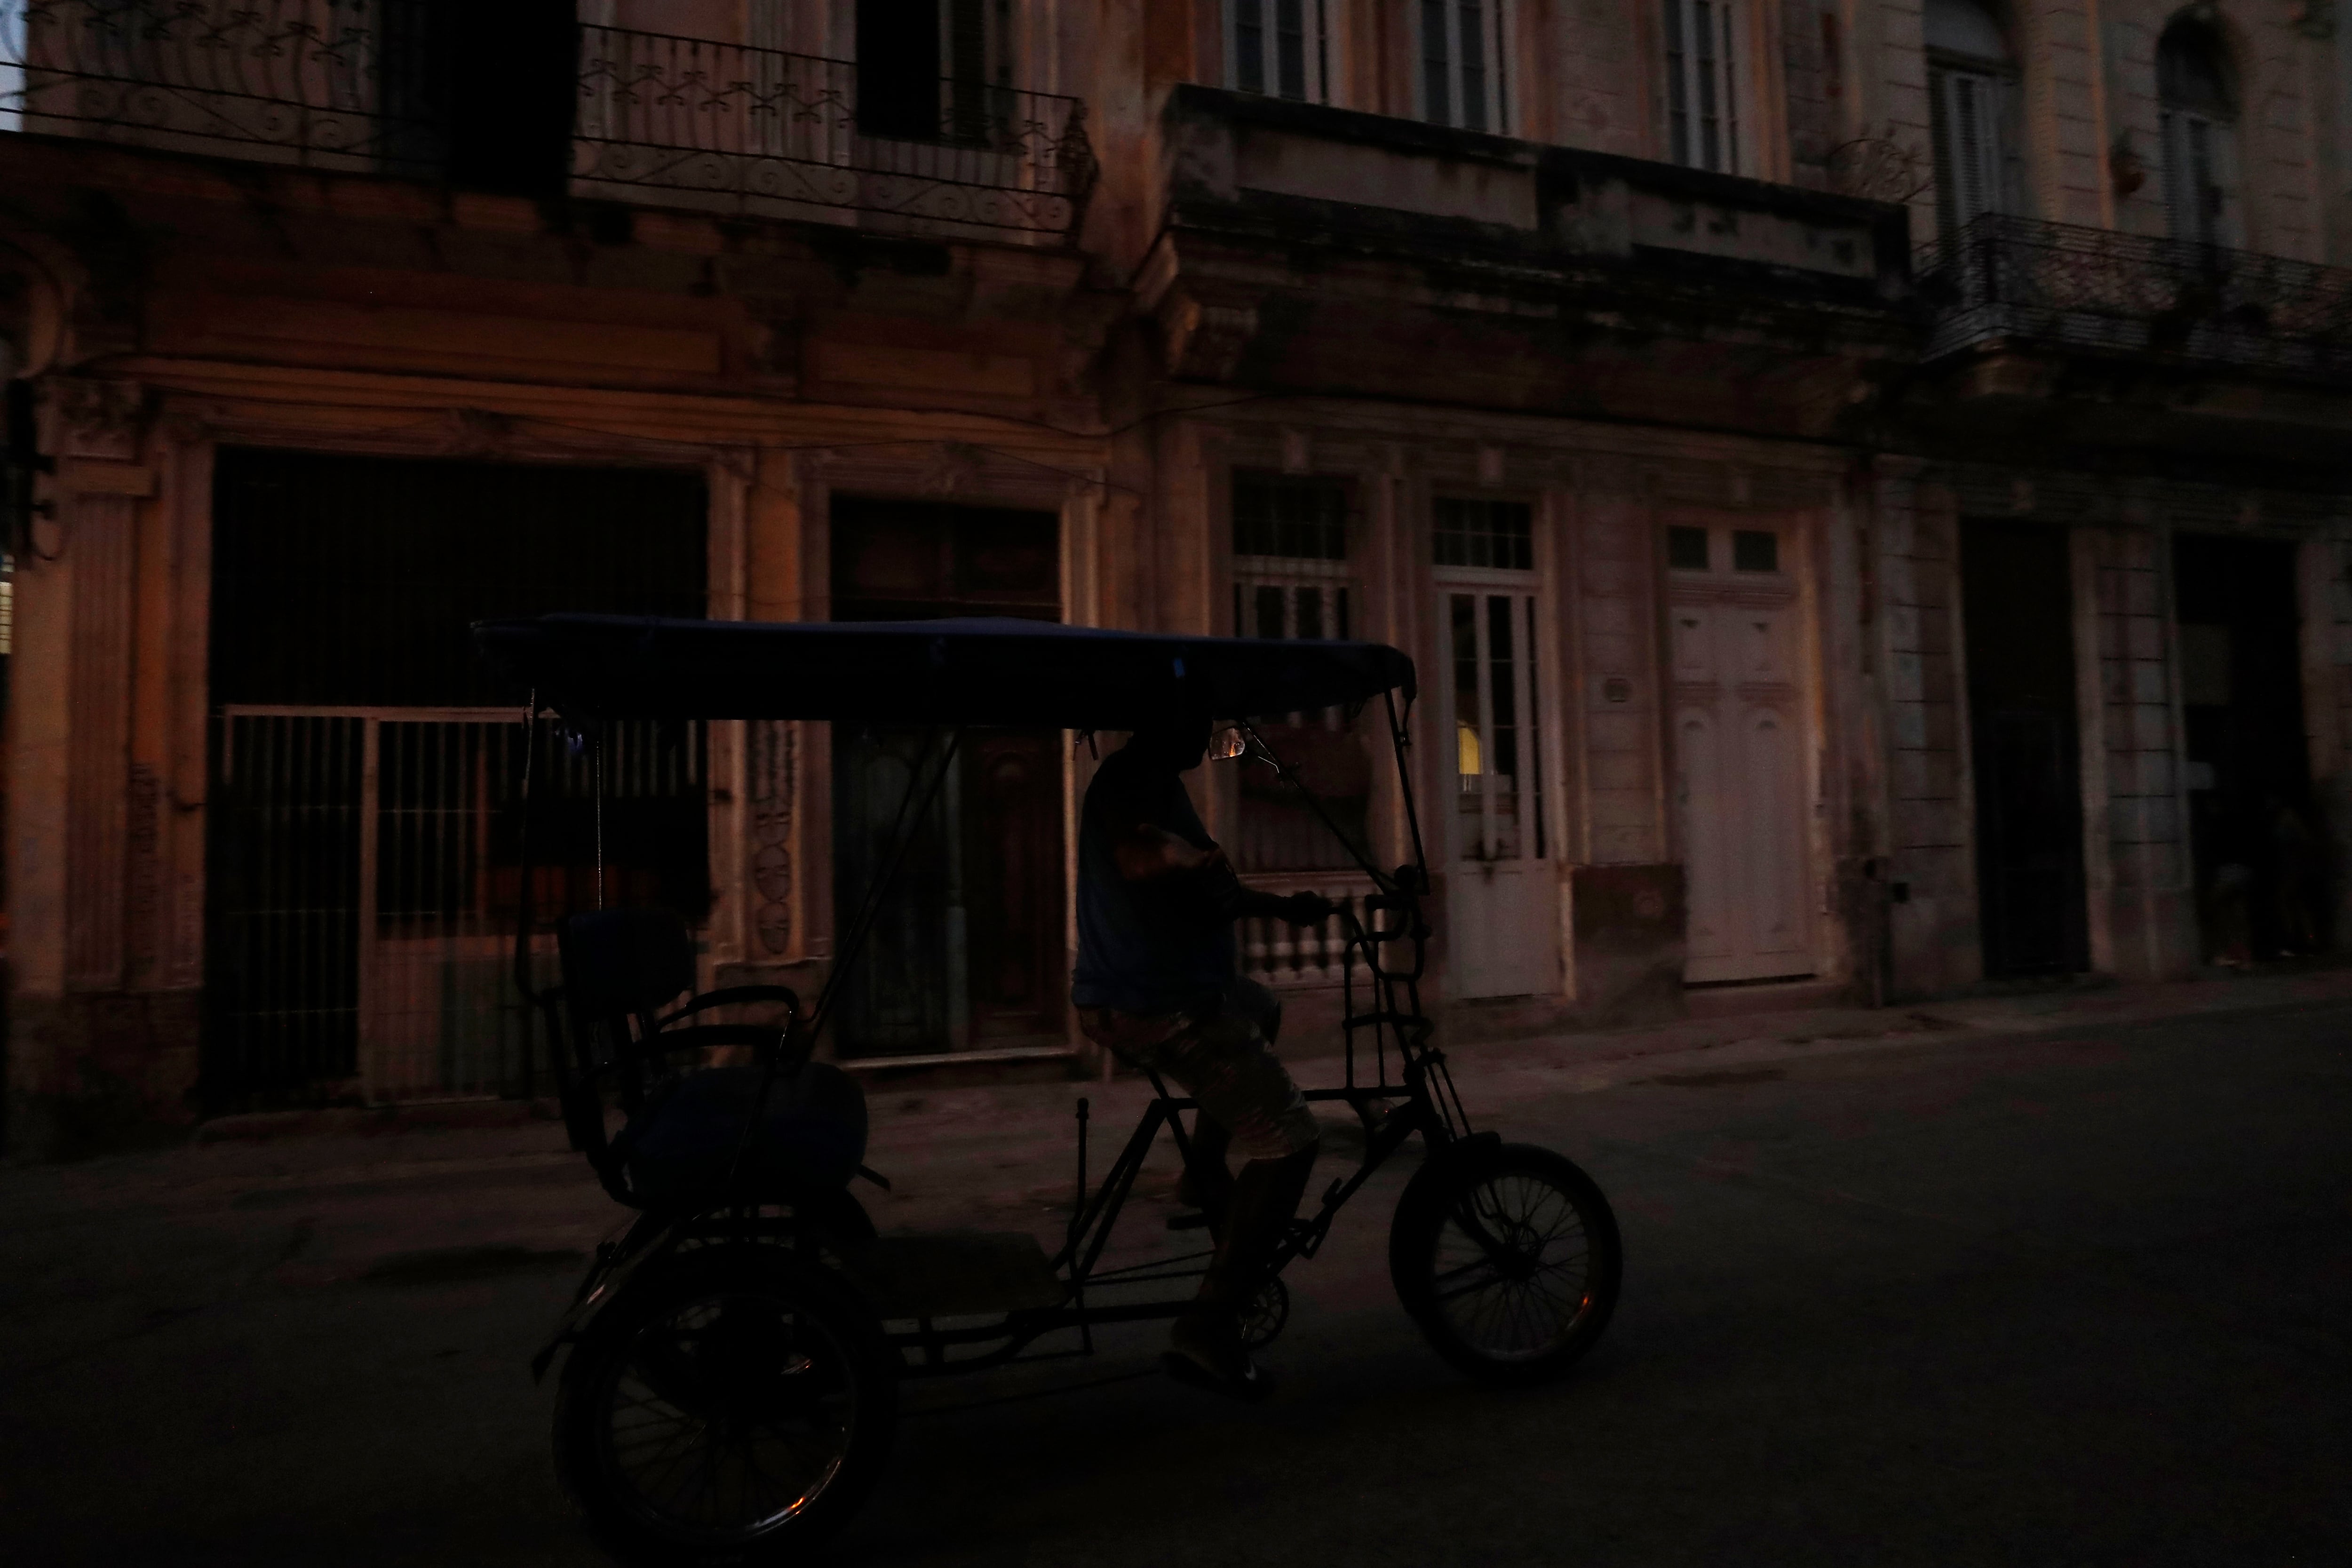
(671, 121)
(316, 83)
(381, 87)
(2009, 280)
(1309, 249)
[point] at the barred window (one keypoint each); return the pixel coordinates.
(1278, 831)
(1266, 608)
(1490, 533)
(1291, 579)
(1293, 519)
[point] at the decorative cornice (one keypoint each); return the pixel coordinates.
(1203, 340)
(88, 417)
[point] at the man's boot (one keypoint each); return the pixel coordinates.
(1205, 1345)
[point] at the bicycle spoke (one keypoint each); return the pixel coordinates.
(729, 1415)
(1512, 1266)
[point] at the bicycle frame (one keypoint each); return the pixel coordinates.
(1429, 1107)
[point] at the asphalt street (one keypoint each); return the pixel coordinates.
(2079, 1297)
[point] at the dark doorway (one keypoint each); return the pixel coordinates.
(482, 95)
(2017, 605)
(967, 950)
(2261, 872)
(364, 852)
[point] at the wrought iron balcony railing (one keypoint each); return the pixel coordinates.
(388, 87)
(673, 120)
(336, 84)
(2071, 286)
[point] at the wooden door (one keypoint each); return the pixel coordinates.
(971, 948)
(1502, 908)
(1739, 779)
(1013, 885)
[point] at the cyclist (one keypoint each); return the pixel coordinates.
(1158, 983)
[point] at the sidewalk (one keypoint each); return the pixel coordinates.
(326, 1149)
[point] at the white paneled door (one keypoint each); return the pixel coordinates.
(1740, 789)
(1502, 905)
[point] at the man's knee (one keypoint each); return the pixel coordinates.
(1292, 1135)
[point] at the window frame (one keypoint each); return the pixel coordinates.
(1998, 82)
(1260, 827)
(1684, 82)
(1317, 26)
(1500, 95)
(2217, 205)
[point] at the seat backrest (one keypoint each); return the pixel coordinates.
(620, 966)
(624, 962)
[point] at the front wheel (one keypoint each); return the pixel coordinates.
(733, 1407)
(1508, 1259)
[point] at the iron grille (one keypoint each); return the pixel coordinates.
(690, 122)
(2001, 277)
(491, 95)
(338, 84)
(367, 865)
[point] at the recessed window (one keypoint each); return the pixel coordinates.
(1753, 550)
(1491, 533)
(1706, 43)
(1687, 549)
(1279, 47)
(1969, 78)
(1465, 79)
(1311, 610)
(2198, 118)
(1295, 519)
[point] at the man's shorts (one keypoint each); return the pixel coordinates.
(1220, 1057)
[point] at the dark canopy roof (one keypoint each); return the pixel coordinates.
(1032, 674)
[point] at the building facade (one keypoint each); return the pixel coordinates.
(1865, 488)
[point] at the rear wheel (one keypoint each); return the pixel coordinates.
(735, 1407)
(1507, 1260)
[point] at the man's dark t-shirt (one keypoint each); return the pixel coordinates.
(1150, 946)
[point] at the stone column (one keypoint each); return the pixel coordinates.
(83, 1062)
(1934, 941)
(2147, 905)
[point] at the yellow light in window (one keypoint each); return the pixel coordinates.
(1468, 761)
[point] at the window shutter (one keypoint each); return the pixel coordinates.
(2220, 198)
(2191, 194)
(1464, 74)
(1245, 20)
(1971, 169)
(1704, 45)
(1279, 47)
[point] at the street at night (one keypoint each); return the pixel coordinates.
(1112, 782)
(2074, 1290)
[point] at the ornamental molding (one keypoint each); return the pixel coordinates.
(95, 418)
(1202, 341)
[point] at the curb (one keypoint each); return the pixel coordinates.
(367, 1121)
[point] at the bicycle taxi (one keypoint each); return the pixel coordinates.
(734, 1360)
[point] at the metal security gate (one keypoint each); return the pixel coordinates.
(366, 866)
(362, 838)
